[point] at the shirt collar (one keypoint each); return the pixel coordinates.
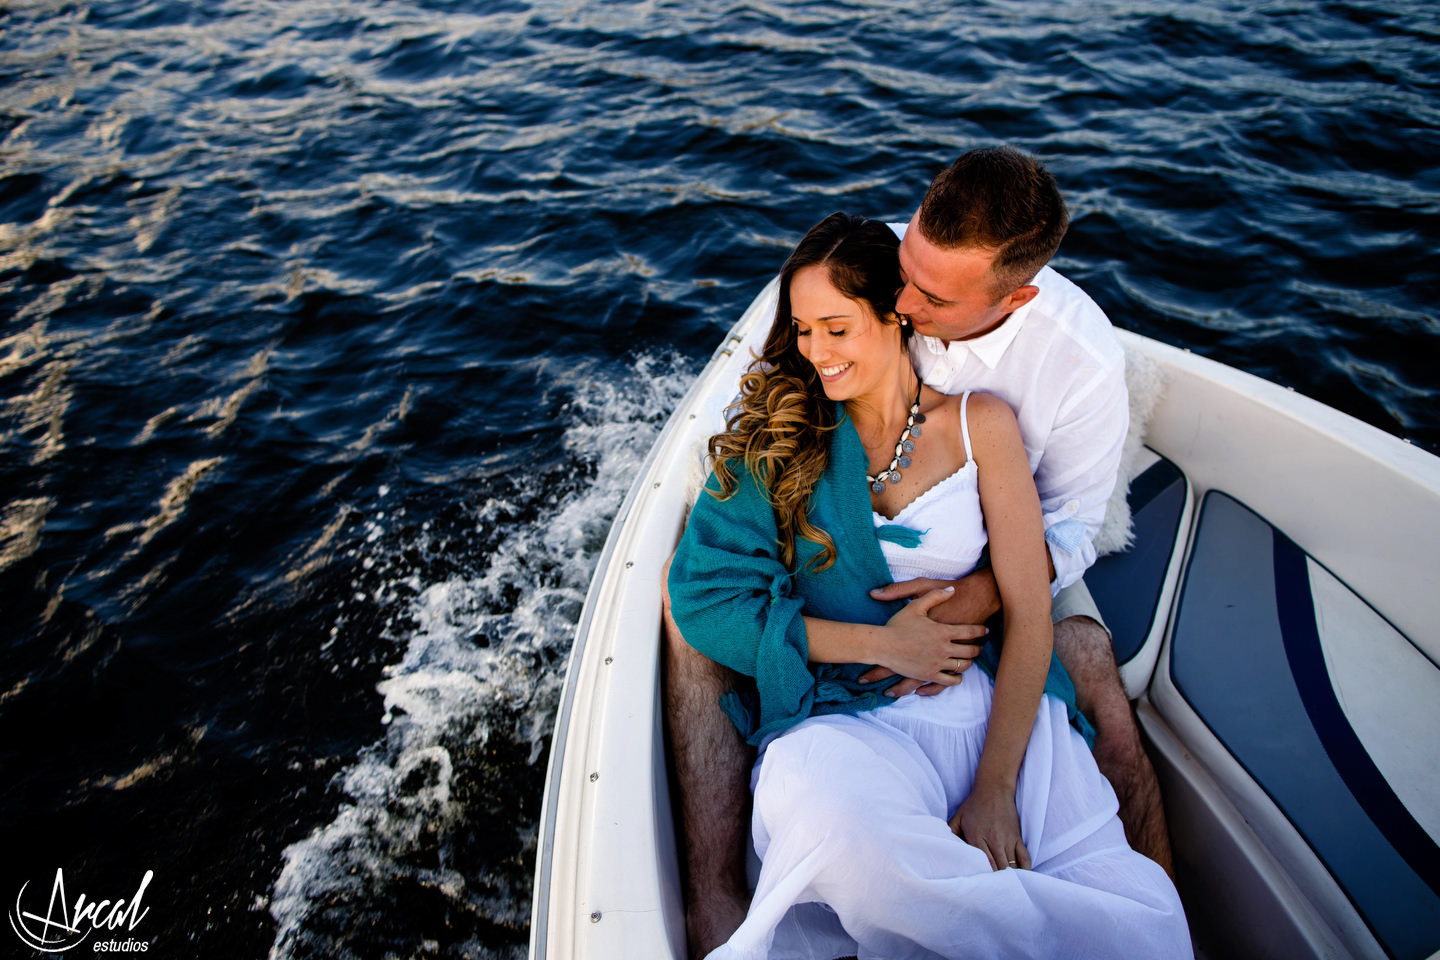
(988, 347)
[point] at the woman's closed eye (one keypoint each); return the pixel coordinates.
(835, 332)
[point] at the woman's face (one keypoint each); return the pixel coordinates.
(850, 348)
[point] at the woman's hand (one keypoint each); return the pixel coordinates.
(924, 649)
(989, 821)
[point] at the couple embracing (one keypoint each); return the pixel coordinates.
(935, 419)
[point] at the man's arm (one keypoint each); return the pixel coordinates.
(976, 598)
(1078, 471)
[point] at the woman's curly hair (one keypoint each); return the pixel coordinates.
(780, 426)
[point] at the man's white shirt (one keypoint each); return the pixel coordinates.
(1057, 362)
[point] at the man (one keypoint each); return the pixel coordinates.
(990, 316)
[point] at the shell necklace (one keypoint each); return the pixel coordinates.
(903, 448)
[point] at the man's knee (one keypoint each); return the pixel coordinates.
(1084, 648)
(665, 585)
(689, 676)
(1087, 643)
(676, 648)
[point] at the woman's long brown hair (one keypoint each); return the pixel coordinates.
(780, 426)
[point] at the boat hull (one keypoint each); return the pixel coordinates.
(1359, 503)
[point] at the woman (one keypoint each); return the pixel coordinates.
(860, 812)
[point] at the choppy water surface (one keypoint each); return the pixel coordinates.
(333, 330)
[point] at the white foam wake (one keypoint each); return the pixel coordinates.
(484, 665)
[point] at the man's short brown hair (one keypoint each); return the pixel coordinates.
(999, 199)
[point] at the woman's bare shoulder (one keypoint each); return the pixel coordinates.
(988, 406)
(991, 421)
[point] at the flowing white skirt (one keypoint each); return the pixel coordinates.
(857, 857)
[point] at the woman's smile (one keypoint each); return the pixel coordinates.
(843, 339)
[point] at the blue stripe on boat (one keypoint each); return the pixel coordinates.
(1245, 653)
(1346, 752)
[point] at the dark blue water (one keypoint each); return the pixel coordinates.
(332, 331)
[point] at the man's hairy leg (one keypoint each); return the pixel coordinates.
(1084, 648)
(711, 765)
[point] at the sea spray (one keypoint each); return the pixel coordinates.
(428, 839)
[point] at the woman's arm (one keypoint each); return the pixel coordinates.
(988, 818)
(910, 644)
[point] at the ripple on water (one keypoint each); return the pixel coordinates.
(331, 330)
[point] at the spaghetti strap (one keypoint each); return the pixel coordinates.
(965, 424)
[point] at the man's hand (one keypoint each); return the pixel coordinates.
(976, 599)
(907, 685)
(915, 645)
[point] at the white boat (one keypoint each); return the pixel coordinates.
(1278, 619)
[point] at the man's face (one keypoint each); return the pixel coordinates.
(949, 294)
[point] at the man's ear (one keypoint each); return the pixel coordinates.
(1020, 297)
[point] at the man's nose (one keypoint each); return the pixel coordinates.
(907, 300)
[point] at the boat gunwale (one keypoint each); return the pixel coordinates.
(722, 358)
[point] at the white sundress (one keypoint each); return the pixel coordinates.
(851, 818)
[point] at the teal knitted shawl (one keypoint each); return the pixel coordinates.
(735, 602)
